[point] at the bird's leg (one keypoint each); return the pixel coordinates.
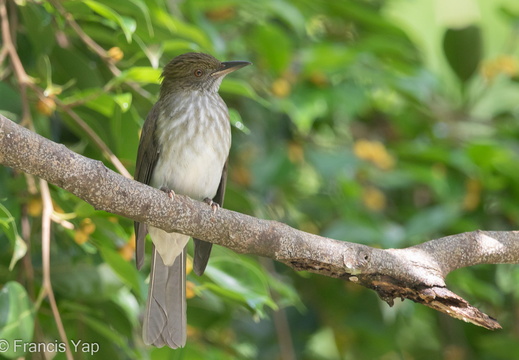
(170, 192)
(212, 204)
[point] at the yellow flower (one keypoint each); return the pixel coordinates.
(373, 198)
(115, 54)
(222, 13)
(295, 152)
(80, 237)
(319, 79)
(86, 227)
(281, 88)
(34, 207)
(374, 152)
(190, 290)
(473, 194)
(46, 106)
(503, 64)
(126, 252)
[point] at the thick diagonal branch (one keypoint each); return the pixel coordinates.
(416, 273)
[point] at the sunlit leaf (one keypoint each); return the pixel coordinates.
(141, 74)
(126, 24)
(123, 100)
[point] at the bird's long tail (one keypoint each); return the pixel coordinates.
(165, 317)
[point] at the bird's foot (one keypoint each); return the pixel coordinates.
(170, 192)
(212, 204)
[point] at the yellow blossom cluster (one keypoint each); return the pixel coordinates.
(374, 152)
(504, 64)
(86, 228)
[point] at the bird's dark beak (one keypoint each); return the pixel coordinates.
(230, 66)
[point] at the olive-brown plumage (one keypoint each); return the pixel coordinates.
(184, 147)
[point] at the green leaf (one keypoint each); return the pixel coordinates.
(103, 104)
(126, 125)
(177, 45)
(16, 319)
(429, 221)
(238, 87)
(240, 281)
(289, 13)
(237, 122)
(75, 64)
(126, 24)
(84, 209)
(310, 106)
(142, 74)
(18, 244)
(463, 50)
(275, 58)
(10, 102)
(124, 269)
(145, 11)
(106, 332)
(20, 249)
(84, 281)
(39, 25)
(153, 51)
(183, 30)
(322, 345)
(128, 303)
(124, 101)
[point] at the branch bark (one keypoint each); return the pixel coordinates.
(416, 273)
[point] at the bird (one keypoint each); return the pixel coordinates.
(183, 149)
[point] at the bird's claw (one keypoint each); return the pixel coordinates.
(170, 192)
(212, 204)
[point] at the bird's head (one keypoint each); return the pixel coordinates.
(196, 71)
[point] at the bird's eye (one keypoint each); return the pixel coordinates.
(198, 73)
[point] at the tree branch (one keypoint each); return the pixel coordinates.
(416, 273)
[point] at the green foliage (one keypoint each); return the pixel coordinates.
(16, 317)
(387, 123)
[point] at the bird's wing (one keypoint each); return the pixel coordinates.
(203, 248)
(147, 157)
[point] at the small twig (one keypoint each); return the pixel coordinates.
(23, 78)
(31, 184)
(66, 224)
(47, 284)
(3, 54)
(21, 75)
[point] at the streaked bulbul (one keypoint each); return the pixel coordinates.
(183, 149)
